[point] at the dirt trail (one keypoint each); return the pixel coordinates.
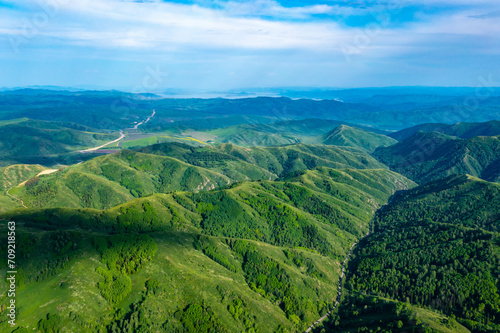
(338, 295)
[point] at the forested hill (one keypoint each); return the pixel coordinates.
(113, 179)
(437, 246)
(430, 156)
(34, 141)
(461, 130)
(288, 132)
(257, 256)
(354, 137)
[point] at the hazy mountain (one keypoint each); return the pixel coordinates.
(462, 130)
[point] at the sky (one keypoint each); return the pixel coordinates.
(223, 44)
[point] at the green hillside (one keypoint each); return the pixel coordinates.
(431, 156)
(253, 135)
(12, 176)
(30, 141)
(353, 137)
(437, 246)
(113, 179)
(110, 180)
(364, 313)
(409, 132)
(277, 160)
(255, 256)
(287, 132)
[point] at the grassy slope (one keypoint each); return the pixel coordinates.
(253, 135)
(280, 133)
(286, 159)
(188, 275)
(109, 180)
(354, 137)
(12, 176)
(13, 121)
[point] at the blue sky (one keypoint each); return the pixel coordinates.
(223, 44)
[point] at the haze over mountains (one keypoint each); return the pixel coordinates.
(139, 213)
(389, 111)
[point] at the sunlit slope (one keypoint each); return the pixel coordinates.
(32, 141)
(109, 180)
(358, 138)
(11, 177)
(257, 256)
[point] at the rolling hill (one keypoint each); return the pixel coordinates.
(277, 160)
(254, 256)
(431, 156)
(254, 135)
(283, 132)
(33, 141)
(353, 137)
(13, 176)
(113, 179)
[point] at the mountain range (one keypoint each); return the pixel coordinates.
(140, 213)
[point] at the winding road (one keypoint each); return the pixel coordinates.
(122, 135)
(145, 121)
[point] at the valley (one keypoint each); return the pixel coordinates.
(215, 215)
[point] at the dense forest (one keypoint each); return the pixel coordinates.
(433, 247)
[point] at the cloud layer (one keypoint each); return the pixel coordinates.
(226, 44)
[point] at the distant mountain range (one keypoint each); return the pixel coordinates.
(111, 109)
(461, 130)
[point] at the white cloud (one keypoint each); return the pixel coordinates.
(257, 36)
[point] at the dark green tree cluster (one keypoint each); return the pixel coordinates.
(217, 209)
(116, 285)
(266, 277)
(123, 255)
(445, 267)
(212, 251)
(50, 324)
(237, 309)
(304, 199)
(126, 254)
(199, 318)
(145, 218)
(361, 313)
